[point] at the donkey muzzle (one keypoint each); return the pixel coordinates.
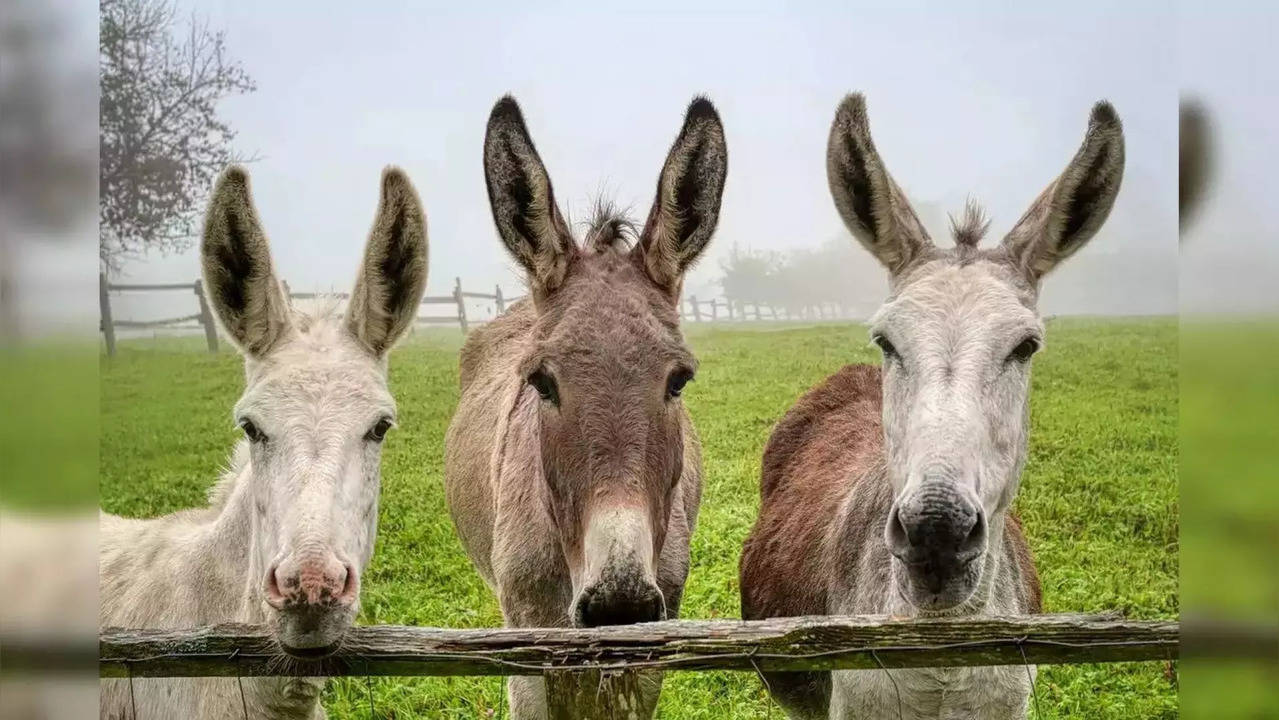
(938, 532)
(315, 598)
(620, 597)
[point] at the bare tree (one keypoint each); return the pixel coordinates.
(162, 141)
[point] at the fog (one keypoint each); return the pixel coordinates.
(961, 105)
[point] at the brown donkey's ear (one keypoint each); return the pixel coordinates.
(1072, 209)
(388, 290)
(872, 206)
(523, 203)
(236, 263)
(689, 190)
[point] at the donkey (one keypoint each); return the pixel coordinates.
(572, 470)
(887, 490)
(291, 524)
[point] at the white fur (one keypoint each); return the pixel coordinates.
(312, 486)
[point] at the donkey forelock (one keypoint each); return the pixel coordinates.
(609, 228)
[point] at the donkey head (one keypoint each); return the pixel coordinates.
(957, 333)
(608, 363)
(315, 408)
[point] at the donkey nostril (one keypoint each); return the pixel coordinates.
(898, 537)
(274, 597)
(976, 535)
(350, 582)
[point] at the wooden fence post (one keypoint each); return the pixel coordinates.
(104, 305)
(592, 694)
(714, 310)
(757, 315)
(697, 309)
(497, 296)
(461, 304)
(206, 317)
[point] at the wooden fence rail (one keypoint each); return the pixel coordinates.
(782, 644)
(691, 309)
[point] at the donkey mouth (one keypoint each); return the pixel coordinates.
(311, 653)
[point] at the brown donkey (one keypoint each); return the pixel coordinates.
(887, 491)
(573, 472)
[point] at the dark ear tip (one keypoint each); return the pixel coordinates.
(506, 109)
(701, 108)
(1104, 115)
(394, 180)
(234, 176)
(852, 113)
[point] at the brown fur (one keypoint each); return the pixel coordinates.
(807, 545)
(573, 472)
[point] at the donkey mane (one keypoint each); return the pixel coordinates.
(609, 228)
(971, 225)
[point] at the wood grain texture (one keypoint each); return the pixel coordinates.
(780, 644)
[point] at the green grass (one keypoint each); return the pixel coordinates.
(1099, 498)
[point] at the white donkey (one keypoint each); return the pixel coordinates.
(291, 524)
(888, 490)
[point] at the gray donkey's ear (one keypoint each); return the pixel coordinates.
(522, 201)
(870, 203)
(392, 277)
(1073, 208)
(236, 262)
(689, 191)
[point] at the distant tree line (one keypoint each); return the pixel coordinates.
(833, 275)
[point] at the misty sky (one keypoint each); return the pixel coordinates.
(960, 104)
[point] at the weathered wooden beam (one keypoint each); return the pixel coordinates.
(806, 643)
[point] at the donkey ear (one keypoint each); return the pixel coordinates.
(689, 191)
(236, 261)
(1072, 209)
(523, 203)
(872, 206)
(392, 277)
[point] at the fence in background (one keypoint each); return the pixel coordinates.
(691, 309)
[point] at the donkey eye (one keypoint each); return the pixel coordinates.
(251, 431)
(377, 433)
(885, 346)
(676, 382)
(1024, 350)
(545, 386)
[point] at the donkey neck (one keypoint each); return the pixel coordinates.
(220, 553)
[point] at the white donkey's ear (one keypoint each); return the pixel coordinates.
(236, 261)
(689, 190)
(872, 206)
(1072, 209)
(392, 277)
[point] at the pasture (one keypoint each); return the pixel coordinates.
(1098, 499)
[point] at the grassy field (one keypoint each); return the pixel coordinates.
(1099, 499)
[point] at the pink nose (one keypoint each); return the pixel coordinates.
(311, 582)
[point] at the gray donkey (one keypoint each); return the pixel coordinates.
(572, 470)
(887, 491)
(291, 524)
